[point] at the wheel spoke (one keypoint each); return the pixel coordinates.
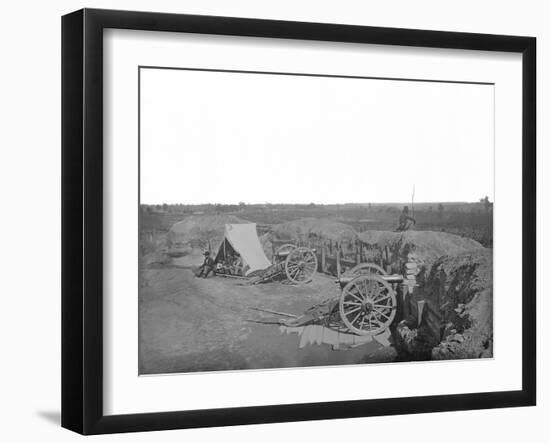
(381, 313)
(356, 317)
(375, 319)
(360, 292)
(355, 296)
(376, 289)
(353, 310)
(381, 298)
(367, 288)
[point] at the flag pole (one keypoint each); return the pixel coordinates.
(412, 202)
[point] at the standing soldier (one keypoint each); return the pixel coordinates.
(405, 220)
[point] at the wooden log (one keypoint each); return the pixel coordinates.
(284, 314)
(388, 259)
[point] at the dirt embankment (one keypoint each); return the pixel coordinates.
(426, 247)
(456, 321)
(186, 241)
(311, 229)
(200, 230)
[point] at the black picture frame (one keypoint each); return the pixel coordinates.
(82, 220)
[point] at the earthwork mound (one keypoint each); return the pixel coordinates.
(200, 230)
(425, 246)
(306, 229)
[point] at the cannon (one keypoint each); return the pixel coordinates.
(367, 304)
(290, 262)
(368, 301)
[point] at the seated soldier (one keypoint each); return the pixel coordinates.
(207, 266)
(405, 220)
(238, 265)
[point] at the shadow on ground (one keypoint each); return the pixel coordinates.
(53, 417)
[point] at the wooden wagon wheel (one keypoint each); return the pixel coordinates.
(367, 268)
(300, 265)
(367, 305)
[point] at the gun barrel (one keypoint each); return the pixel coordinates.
(394, 278)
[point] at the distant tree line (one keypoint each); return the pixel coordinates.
(484, 205)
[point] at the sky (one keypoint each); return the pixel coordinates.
(219, 137)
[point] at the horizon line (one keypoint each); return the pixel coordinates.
(320, 204)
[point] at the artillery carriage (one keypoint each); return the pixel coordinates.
(291, 263)
(368, 301)
(367, 304)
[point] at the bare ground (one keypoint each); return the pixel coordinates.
(189, 324)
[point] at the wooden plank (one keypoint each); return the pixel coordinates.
(338, 266)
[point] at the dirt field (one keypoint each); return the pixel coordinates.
(191, 324)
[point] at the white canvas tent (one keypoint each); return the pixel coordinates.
(244, 240)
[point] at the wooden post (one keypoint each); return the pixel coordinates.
(323, 258)
(357, 253)
(405, 301)
(338, 263)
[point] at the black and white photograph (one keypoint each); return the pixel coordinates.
(291, 220)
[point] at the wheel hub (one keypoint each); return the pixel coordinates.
(367, 307)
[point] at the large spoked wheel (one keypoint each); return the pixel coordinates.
(300, 265)
(367, 305)
(367, 268)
